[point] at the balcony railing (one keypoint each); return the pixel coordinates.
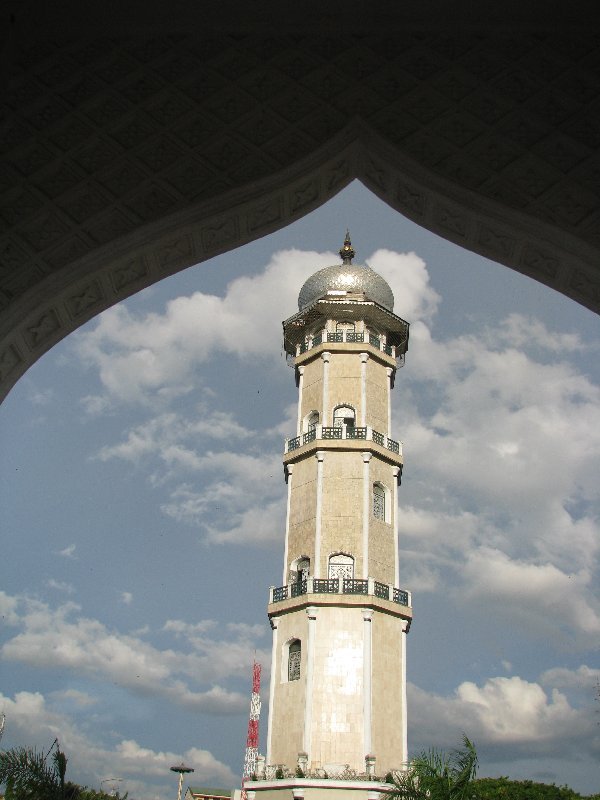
(360, 586)
(320, 432)
(375, 340)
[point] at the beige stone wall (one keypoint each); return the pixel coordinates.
(301, 537)
(286, 718)
(382, 542)
(312, 391)
(377, 396)
(341, 521)
(344, 382)
(386, 691)
(337, 705)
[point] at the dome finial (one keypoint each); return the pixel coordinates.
(347, 251)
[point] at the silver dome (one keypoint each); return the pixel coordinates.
(349, 278)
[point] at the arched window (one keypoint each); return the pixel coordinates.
(312, 420)
(381, 502)
(294, 659)
(341, 566)
(343, 415)
(299, 570)
(347, 327)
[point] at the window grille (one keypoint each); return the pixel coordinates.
(294, 657)
(378, 502)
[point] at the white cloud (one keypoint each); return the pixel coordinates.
(507, 718)
(126, 598)
(143, 771)
(60, 586)
(68, 552)
(63, 638)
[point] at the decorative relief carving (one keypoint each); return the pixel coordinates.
(46, 325)
(9, 358)
(132, 271)
(450, 220)
(44, 231)
(152, 202)
(304, 195)
(175, 252)
(337, 176)
(265, 215)
(539, 262)
(84, 299)
(410, 199)
(218, 234)
(585, 285)
(109, 226)
(71, 250)
(496, 242)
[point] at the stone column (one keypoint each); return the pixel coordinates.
(290, 471)
(300, 387)
(274, 623)
(395, 473)
(320, 456)
(390, 372)
(364, 357)
(367, 614)
(404, 754)
(325, 416)
(366, 457)
(311, 612)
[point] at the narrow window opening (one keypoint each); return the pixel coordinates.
(294, 659)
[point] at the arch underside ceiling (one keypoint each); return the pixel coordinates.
(124, 161)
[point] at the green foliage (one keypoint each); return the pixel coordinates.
(438, 776)
(28, 776)
(505, 789)
(279, 773)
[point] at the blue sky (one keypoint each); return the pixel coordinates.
(143, 511)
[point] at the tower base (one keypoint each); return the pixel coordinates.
(316, 789)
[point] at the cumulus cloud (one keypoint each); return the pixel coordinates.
(144, 772)
(508, 718)
(68, 552)
(63, 638)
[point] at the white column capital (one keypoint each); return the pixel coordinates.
(367, 614)
(395, 471)
(389, 371)
(311, 612)
(290, 469)
(320, 455)
(366, 457)
(364, 357)
(300, 369)
(326, 355)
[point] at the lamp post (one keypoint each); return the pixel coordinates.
(181, 769)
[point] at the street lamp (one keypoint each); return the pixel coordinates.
(181, 769)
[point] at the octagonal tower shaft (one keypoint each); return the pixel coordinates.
(339, 619)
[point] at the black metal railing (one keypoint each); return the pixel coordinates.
(280, 593)
(355, 586)
(346, 336)
(356, 433)
(326, 585)
(360, 586)
(355, 337)
(298, 588)
(309, 436)
(393, 446)
(317, 339)
(335, 336)
(400, 596)
(293, 444)
(331, 432)
(375, 341)
(378, 438)
(387, 349)
(381, 590)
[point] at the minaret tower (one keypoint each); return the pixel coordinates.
(337, 703)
